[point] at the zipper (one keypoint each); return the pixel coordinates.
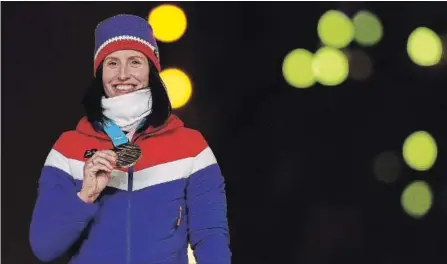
(130, 172)
(129, 207)
(129, 193)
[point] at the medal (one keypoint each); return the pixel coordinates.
(128, 154)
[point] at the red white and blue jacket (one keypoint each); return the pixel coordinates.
(173, 196)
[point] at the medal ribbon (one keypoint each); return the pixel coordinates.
(114, 132)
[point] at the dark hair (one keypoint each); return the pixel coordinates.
(161, 106)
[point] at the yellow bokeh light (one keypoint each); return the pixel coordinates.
(168, 22)
(335, 29)
(420, 151)
(330, 66)
(178, 85)
(368, 28)
(424, 47)
(297, 68)
(417, 199)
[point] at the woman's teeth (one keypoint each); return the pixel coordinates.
(124, 87)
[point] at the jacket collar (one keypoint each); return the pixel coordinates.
(173, 122)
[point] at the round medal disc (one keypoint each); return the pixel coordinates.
(128, 154)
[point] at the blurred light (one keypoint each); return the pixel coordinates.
(330, 66)
(178, 85)
(168, 22)
(424, 47)
(387, 167)
(335, 29)
(417, 199)
(360, 65)
(368, 28)
(297, 68)
(420, 151)
(191, 258)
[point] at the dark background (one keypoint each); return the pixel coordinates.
(298, 162)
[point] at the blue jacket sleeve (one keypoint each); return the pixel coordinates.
(59, 215)
(207, 211)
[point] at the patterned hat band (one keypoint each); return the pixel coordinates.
(125, 32)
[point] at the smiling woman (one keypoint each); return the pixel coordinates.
(125, 71)
(131, 176)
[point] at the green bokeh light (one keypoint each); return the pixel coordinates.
(335, 29)
(368, 28)
(297, 68)
(424, 47)
(420, 151)
(417, 199)
(330, 66)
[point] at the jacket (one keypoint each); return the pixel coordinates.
(174, 195)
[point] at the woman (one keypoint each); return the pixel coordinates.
(130, 184)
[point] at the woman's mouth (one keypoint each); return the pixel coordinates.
(124, 87)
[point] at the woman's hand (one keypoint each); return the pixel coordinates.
(97, 173)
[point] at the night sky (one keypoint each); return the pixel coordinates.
(298, 163)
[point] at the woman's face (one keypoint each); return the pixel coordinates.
(125, 71)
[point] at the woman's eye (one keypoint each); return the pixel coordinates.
(135, 62)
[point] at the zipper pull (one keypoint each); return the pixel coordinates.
(179, 220)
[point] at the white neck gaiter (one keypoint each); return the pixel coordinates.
(128, 110)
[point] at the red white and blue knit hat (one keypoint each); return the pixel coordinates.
(125, 32)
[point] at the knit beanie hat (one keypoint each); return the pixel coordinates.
(125, 32)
